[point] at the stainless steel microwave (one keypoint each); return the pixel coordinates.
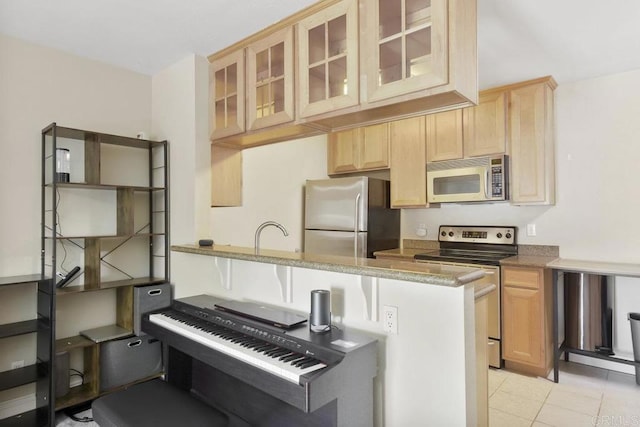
(477, 179)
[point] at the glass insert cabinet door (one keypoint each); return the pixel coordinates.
(328, 59)
(226, 97)
(405, 43)
(270, 80)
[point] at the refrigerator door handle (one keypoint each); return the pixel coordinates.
(356, 227)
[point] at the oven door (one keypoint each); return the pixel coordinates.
(493, 328)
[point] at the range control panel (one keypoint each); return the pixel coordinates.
(498, 235)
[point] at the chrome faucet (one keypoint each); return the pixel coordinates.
(262, 227)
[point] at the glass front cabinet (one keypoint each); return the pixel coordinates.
(404, 46)
(328, 59)
(226, 98)
(270, 80)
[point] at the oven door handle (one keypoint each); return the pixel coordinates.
(487, 188)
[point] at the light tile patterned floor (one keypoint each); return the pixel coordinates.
(584, 397)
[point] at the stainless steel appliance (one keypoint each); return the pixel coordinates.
(349, 216)
(481, 247)
(478, 179)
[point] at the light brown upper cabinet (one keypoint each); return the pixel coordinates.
(470, 132)
(328, 59)
(270, 80)
(356, 63)
(360, 149)
(226, 176)
(531, 139)
(444, 136)
(405, 46)
(485, 125)
(226, 95)
(408, 169)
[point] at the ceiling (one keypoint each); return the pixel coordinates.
(517, 39)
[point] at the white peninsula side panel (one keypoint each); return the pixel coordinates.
(426, 373)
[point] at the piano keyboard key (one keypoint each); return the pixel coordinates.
(279, 361)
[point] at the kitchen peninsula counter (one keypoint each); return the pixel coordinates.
(435, 274)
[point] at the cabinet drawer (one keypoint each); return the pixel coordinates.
(530, 278)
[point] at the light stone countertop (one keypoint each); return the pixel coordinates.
(401, 253)
(598, 267)
(428, 273)
(528, 261)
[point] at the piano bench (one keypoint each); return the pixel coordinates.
(155, 404)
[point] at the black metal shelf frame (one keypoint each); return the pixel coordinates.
(52, 233)
(156, 232)
(40, 372)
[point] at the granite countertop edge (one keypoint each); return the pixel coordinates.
(374, 268)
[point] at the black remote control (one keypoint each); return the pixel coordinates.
(205, 242)
(66, 279)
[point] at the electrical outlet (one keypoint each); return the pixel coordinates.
(17, 364)
(390, 319)
(531, 230)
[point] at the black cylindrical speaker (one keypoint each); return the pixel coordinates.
(320, 317)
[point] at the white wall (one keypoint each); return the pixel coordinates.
(179, 115)
(39, 86)
(273, 189)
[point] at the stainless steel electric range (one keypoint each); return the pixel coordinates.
(480, 247)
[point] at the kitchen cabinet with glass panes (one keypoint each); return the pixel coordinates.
(270, 80)
(328, 59)
(227, 95)
(107, 214)
(416, 48)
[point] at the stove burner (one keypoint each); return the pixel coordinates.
(463, 256)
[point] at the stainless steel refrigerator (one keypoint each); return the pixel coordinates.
(349, 216)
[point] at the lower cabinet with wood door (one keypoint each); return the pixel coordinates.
(527, 321)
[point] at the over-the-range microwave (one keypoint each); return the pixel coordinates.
(477, 179)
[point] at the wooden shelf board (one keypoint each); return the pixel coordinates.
(76, 395)
(20, 280)
(26, 419)
(18, 328)
(18, 377)
(110, 285)
(110, 236)
(83, 186)
(72, 343)
(103, 138)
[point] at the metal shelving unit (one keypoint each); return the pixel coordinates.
(39, 373)
(132, 239)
